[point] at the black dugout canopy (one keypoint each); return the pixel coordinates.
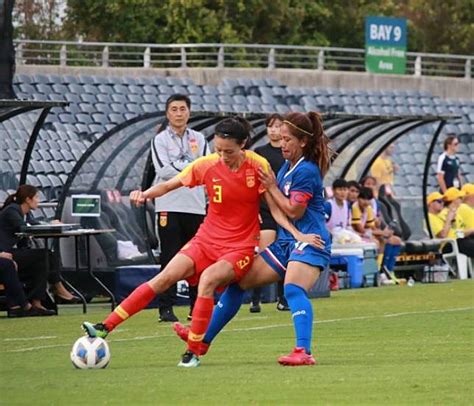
(120, 161)
(29, 117)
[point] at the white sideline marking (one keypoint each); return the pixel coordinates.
(138, 338)
(30, 338)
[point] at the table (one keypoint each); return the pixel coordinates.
(77, 234)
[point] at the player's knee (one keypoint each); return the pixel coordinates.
(207, 285)
(395, 240)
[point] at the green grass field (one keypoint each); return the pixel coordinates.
(394, 345)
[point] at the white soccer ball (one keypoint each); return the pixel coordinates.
(90, 353)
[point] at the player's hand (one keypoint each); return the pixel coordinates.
(451, 215)
(267, 179)
(137, 197)
(312, 239)
(6, 255)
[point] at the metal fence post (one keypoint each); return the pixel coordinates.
(418, 66)
(220, 57)
(467, 69)
(105, 57)
(147, 57)
(271, 58)
(19, 54)
(63, 56)
(321, 60)
(183, 57)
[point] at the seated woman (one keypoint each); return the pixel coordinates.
(17, 303)
(29, 260)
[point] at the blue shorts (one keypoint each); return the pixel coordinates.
(279, 253)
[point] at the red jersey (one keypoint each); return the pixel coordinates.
(234, 199)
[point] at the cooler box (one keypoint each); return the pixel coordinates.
(127, 278)
(352, 259)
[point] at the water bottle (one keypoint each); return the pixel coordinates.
(411, 282)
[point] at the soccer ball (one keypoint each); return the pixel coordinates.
(90, 353)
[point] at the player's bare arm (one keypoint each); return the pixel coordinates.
(138, 197)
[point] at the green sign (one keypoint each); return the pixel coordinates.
(385, 45)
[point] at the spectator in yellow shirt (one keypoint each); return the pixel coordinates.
(466, 209)
(383, 168)
(363, 222)
(447, 223)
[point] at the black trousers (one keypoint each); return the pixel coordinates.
(13, 287)
(466, 246)
(175, 230)
(33, 272)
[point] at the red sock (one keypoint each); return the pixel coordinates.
(202, 314)
(135, 302)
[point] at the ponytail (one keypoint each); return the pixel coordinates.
(318, 146)
(9, 200)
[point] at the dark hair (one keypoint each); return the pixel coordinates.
(309, 126)
(237, 128)
(339, 183)
(271, 118)
(366, 193)
(354, 183)
(449, 140)
(21, 194)
(178, 97)
(366, 178)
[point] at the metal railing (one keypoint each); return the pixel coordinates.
(69, 53)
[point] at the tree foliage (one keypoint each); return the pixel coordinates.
(433, 26)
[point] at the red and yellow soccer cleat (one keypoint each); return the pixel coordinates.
(298, 357)
(182, 332)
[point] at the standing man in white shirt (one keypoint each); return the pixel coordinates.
(179, 213)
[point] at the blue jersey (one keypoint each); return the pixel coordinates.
(305, 177)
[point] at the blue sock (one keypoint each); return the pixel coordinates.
(302, 315)
(387, 253)
(227, 307)
(393, 257)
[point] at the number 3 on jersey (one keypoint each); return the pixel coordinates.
(217, 198)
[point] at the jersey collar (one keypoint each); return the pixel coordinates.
(294, 167)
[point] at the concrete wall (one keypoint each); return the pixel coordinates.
(458, 88)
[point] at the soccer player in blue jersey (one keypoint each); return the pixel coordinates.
(298, 191)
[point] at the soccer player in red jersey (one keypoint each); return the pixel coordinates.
(223, 249)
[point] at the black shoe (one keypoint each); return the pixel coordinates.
(167, 315)
(20, 312)
(45, 312)
(73, 300)
(282, 305)
(255, 308)
(31, 312)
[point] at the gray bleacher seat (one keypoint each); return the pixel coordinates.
(151, 98)
(210, 89)
(196, 90)
(210, 107)
(149, 108)
(165, 89)
(225, 107)
(180, 89)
